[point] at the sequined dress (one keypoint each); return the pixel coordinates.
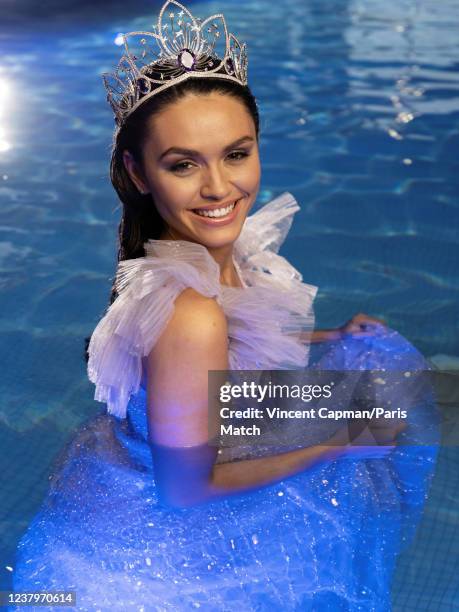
(324, 539)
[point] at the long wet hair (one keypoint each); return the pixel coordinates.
(140, 219)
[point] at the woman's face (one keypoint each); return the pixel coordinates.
(221, 166)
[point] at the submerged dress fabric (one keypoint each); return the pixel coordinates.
(324, 539)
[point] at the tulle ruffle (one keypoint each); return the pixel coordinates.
(268, 321)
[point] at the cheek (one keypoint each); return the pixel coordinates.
(172, 193)
(252, 172)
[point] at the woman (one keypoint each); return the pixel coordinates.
(143, 513)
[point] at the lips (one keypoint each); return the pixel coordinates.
(212, 221)
(216, 206)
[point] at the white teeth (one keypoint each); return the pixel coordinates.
(218, 212)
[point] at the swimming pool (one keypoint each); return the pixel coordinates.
(359, 121)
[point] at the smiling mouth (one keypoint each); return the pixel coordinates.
(216, 213)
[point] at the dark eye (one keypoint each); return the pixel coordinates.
(242, 153)
(181, 166)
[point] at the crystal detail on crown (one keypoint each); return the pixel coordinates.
(188, 47)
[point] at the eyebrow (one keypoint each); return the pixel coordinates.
(183, 151)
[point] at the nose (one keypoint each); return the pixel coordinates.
(215, 184)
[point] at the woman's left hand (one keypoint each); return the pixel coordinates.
(361, 325)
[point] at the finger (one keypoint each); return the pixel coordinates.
(355, 326)
(361, 316)
(364, 318)
(364, 315)
(371, 323)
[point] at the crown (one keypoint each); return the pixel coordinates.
(188, 47)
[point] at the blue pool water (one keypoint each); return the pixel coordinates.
(360, 121)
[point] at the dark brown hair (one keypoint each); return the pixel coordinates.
(140, 220)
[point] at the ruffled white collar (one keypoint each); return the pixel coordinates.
(267, 319)
(263, 232)
(185, 250)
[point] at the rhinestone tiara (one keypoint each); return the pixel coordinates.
(188, 47)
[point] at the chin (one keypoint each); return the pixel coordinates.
(219, 239)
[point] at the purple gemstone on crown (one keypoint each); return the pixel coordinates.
(186, 59)
(143, 86)
(229, 65)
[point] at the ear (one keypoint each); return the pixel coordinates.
(134, 172)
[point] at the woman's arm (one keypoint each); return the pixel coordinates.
(359, 326)
(194, 342)
(189, 476)
(239, 476)
(320, 335)
(323, 335)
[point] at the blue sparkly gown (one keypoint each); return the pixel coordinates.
(324, 539)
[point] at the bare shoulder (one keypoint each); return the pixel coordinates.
(193, 307)
(194, 341)
(197, 321)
